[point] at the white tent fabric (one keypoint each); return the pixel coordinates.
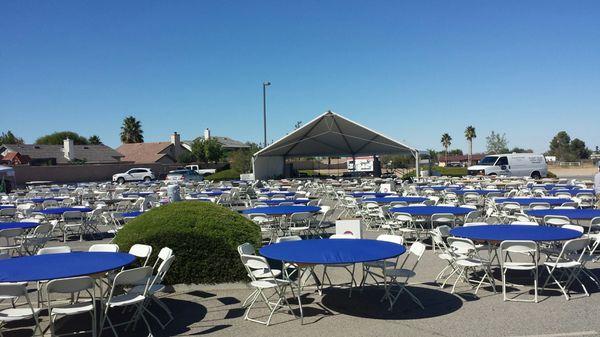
(331, 135)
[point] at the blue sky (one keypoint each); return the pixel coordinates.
(412, 70)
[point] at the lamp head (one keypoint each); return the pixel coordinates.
(266, 84)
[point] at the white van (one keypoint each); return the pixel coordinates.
(512, 164)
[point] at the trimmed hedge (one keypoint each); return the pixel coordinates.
(204, 238)
(229, 174)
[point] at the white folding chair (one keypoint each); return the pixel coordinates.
(75, 305)
(27, 312)
(349, 267)
(104, 247)
(120, 298)
(11, 240)
(142, 252)
(469, 260)
(258, 264)
(396, 279)
(569, 265)
(520, 256)
(380, 265)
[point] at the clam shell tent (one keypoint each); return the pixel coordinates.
(328, 135)
(7, 179)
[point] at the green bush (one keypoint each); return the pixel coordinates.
(230, 174)
(551, 175)
(204, 238)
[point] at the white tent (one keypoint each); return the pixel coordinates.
(327, 135)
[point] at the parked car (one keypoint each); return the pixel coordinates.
(511, 164)
(134, 174)
(203, 172)
(454, 164)
(183, 176)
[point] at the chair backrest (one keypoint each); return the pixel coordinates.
(391, 238)
(573, 227)
(473, 216)
(246, 249)
(54, 250)
(132, 276)
(300, 216)
(141, 251)
(13, 289)
(574, 249)
(254, 262)
(72, 216)
(70, 285)
(104, 247)
(539, 205)
(11, 232)
(403, 217)
(342, 236)
(473, 224)
(556, 220)
(461, 246)
(288, 238)
(443, 217)
(524, 223)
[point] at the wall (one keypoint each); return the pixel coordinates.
(88, 172)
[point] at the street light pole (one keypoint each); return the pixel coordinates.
(265, 85)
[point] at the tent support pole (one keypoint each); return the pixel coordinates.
(417, 171)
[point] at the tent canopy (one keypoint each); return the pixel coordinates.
(333, 135)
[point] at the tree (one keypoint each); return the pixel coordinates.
(185, 158)
(10, 138)
(94, 140)
(496, 143)
(57, 138)
(214, 150)
(470, 135)
(579, 149)
(241, 160)
(446, 142)
(198, 150)
(432, 157)
(520, 150)
(131, 131)
(566, 149)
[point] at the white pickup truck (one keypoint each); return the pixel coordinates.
(203, 172)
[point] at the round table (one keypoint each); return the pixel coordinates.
(7, 206)
(273, 193)
(479, 191)
(332, 251)
(371, 194)
(22, 225)
(430, 210)
(529, 201)
(277, 202)
(281, 210)
(56, 266)
(515, 232)
(387, 200)
(214, 193)
(139, 194)
(573, 214)
(61, 210)
(572, 192)
(41, 200)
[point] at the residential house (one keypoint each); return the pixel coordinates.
(40, 154)
(153, 152)
(227, 143)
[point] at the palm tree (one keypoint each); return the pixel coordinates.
(470, 134)
(446, 142)
(94, 140)
(131, 131)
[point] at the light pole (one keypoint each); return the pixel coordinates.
(265, 85)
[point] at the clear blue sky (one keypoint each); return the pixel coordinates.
(412, 70)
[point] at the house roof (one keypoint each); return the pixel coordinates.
(11, 156)
(144, 152)
(225, 142)
(90, 153)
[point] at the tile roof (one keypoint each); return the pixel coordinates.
(225, 142)
(90, 153)
(144, 152)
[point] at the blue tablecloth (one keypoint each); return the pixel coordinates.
(131, 214)
(479, 191)
(137, 194)
(573, 214)
(528, 201)
(61, 210)
(386, 200)
(277, 202)
(41, 200)
(332, 251)
(429, 210)
(272, 193)
(213, 193)
(553, 186)
(23, 225)
(55, 266)
(7, 206)
(281, 210)
(371, 194)
(515, 232)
